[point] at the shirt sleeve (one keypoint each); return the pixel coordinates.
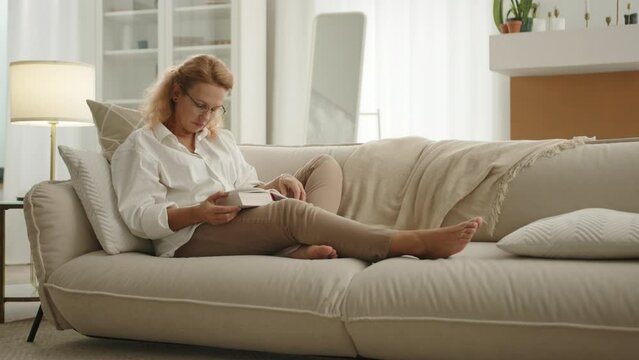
(246, 174)
(140, 194)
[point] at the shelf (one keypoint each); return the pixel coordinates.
(128, 16)
(202, 48)
(20, 292)
(187, 9)
(580, 51)
(124, 101)
(150, 53)
(204, 12)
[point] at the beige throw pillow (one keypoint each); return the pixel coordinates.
(91, 179)
(583, 234)
(114, 124)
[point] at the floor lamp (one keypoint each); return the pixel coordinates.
(51, 93)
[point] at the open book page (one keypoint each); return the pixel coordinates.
(274, 193)
(250, 197)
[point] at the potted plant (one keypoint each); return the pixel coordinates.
(519, 10)
(498, 16)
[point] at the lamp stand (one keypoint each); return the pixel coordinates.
(52, 162)
(33, 278)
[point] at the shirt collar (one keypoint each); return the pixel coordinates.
(161, 132)
(202, 134)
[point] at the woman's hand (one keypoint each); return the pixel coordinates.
(289, 186)
(216, 214)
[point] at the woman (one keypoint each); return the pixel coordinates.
(168, 176)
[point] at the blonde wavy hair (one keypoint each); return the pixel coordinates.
(158, 106)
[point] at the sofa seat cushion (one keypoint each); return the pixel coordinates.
(489, 303)
(262, 303)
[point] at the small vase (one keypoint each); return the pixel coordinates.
(558, 24)
(539, 25)
(527, 25)
(503, 28)
(514, 26)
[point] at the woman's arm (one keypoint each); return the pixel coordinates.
(142, 201)
(286, 184)
(206, 211)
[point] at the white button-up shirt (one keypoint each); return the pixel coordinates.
(152, 171)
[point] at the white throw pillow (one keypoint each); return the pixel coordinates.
(582, 234)
(91, 179)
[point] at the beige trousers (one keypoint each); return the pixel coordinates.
(269, 229)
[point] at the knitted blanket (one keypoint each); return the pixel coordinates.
(412, 182)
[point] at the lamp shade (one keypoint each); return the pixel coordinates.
(51, 91)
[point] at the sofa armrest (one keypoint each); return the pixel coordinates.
(57, 227)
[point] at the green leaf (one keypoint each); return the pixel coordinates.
(498, 13)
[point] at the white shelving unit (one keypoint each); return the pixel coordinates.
(138, 39)
(580, 51)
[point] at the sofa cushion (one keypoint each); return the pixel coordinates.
(114, 124)
(492, 304)
(581, 234)
(91, 179)
(249, 302)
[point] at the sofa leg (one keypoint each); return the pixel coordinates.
(35, 325)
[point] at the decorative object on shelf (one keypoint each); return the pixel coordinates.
(608, 20)
(538, 24)
(519, 21)
(51, 93)
(630, 18)
(188, 40)
(143, 44)
(557, 23)
(219, 42)
(587, 13)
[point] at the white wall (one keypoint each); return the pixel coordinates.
(3, 76)
(42, 30)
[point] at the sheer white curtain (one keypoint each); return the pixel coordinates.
(425, 68)
(41, 30)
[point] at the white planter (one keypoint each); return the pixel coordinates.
(539, 25)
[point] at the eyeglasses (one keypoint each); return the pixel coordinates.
(204, 108)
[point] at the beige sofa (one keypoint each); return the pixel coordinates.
(482, 303)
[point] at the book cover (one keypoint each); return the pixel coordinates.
(250, 198)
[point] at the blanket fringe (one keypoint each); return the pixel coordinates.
(504, 183)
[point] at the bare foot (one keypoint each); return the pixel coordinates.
(434, 243)
(311, 252)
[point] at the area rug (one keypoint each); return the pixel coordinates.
(70, 345)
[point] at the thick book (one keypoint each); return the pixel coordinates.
(250, 198)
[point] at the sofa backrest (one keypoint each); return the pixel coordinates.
(270, 161)
(599, 174)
